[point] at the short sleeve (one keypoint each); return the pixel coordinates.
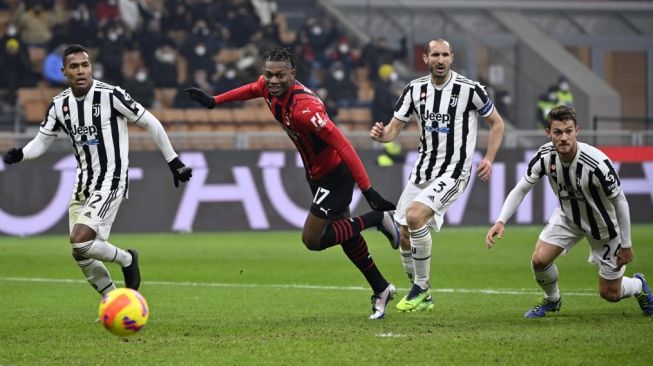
(536, 166)
(608, 178)
(405, 106)
(50, 125)
(482, 101)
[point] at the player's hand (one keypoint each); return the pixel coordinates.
(377, 132)
(13, 156)
(484, 170)
(495, 230)
(180, 172)
(624, 256)
(201, 97)
(377, 202)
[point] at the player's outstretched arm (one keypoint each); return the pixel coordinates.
(35, 148)
(380, 133)
(201, 97)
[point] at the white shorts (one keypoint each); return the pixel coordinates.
(438, 194)
(97, 212)
(564, 234)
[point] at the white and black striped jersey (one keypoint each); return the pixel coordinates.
(97, 127)
(447, 117)
(584, 187)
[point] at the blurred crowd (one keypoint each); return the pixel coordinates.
(557, 94)
(143, 45)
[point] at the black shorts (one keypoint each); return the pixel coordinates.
(332, 194)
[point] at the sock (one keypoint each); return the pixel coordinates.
(356, 250)
(407, 260)
(420, 243)
(97, 275)
(548, 281)
(342, 230)
(630, 287)
(103, 251)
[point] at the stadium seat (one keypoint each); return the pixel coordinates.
(34, 110)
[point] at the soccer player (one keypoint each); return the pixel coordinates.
(446, 107)
(592, 206)
(94, 115)
(332, 166)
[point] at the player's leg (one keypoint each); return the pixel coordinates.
(613, 285)
(406, 254)
(554, 239)
(91, 230)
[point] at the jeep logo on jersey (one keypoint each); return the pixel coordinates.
(442, 121)
(84, 130)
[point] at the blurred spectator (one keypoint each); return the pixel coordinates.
(15, 61)
(35, 23)
(112, 48)
(130, 14)
(140, 87)
(179, 17)
(53, 66)
(563, 94)
(226, 80)
(242, 24)
(164, 67)
(265, 10)
(107, 11)
(329, 104)
(384, 97)
(343, 53)
(339, 86)
(545, 104)
(378, 52)
(151, 38)
(82, 25)
(199, 59)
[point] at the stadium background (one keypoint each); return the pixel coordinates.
(349, 51)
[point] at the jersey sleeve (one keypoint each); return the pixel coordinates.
(608, 178)
(125, 105)
(536, 168)
(482, 101)
(318, 122)
(245, 92)
(405, 107)
(50, 125)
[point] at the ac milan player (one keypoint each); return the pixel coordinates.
(332, 166)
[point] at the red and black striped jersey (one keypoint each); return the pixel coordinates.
(301, 114)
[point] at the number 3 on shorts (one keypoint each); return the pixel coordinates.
(320, 195)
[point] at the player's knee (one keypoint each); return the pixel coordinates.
(538, 264)
(414, 218)
(611, 294)
(78, 257)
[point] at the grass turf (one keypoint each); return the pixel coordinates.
(261, 298)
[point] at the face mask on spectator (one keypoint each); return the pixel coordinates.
(393, 77)
(11, 31)
(338, 74)
(113, 36)
(316, 30)
(141, 76)
(564, 86)
(98, 73)
(200, 50)
(230, 74)
(343, 48)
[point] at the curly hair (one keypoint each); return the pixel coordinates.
(280, 54)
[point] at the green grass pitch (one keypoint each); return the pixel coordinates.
(260, 298)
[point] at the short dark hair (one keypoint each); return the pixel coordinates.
(280, 54)
(562, 113)
(427, 45)
(73, 48)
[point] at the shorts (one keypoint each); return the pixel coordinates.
(438, 194)
(332, 194)
(98, 211)
(564, 234)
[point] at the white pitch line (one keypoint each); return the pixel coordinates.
(585, 292)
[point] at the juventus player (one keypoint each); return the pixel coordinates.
(446, 106)
(592, 206)
(332, 166)
(94, 115)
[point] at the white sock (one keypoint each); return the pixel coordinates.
(97, 275)
(420, 243)
(548, 281)
(407, 261)
(630, 287)
(103, 251)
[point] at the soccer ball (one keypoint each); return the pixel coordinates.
(123, 312)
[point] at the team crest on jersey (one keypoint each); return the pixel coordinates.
(96, 110)
(453, 101)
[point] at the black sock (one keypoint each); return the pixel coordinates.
(356, 250)
(342, 230)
